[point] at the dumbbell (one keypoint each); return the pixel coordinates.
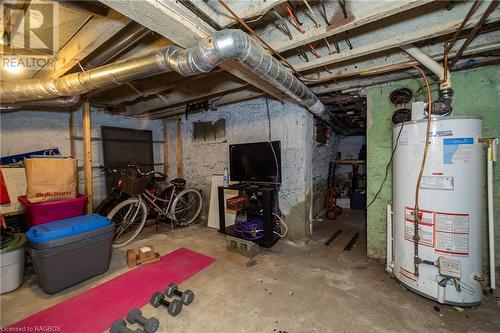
(120, 326)
(186, 297)
(173, 308)
(150, 324)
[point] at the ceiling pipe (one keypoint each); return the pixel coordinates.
(210, 52)
(48, 104)
(127, 37)
(430, 64)
(442, 106)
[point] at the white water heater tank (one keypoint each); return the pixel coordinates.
(450, 209)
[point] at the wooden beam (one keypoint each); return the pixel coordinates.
(393, 62)
(432, 25)
(93, 34)
(233, 97)
(88, 6)
(179, 149)
(189, 91)
(72, 134)
(483, 43)
(359, 13)
(87, 155)
(165, 147)
(176, 23)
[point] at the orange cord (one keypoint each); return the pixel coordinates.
(294, 19)
(273, 51)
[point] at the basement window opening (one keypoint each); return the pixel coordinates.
(207, 131)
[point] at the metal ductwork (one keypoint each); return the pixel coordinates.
(47, 104)
(126, 38)
(221, 46)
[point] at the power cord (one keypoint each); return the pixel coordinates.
(387, 166)
(278, 176)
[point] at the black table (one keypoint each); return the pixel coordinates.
(268, 193)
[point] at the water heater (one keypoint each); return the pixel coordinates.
(450, 209)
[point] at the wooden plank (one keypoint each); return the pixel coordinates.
(175, 22)
(189, 91)
(87, 155)
(165, 147)
(97, 31)
(360, 13)
(179, 149)
(72, 134)
(335, 234)
(338, 245)
(229, 98)
(429, 26)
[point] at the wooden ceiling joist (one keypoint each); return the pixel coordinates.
(190, 91)
(175, 22)
(98, 30)
(406, 32)
(232, 97)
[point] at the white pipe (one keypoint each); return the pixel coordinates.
(429, 63)
(491, 228)
(389, 265)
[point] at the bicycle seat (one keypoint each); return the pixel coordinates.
(179, 182)
(159, 176)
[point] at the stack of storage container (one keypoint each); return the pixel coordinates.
(65, 246)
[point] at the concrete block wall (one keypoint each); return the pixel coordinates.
(25, 131)
(247, 122)
(477, 92)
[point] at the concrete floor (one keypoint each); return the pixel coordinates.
(289, 288)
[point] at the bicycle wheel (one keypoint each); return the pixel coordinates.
(129, 218)
(186, 206)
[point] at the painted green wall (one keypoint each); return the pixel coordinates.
(477, 92)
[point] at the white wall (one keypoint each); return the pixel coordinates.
(323, 154)
(25, 131)
(247, 122)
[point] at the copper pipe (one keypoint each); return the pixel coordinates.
(269, 48)
(313, 51)
(474, 31)
(416, 237)
(294, 19)
(471, 11)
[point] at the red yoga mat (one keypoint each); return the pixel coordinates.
(95, 310)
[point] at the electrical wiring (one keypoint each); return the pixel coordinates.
(278, 176)
(387, 167)
(266, 45)
(283, 224)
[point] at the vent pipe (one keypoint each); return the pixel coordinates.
(222, 46)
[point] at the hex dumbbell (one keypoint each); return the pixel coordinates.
(173, 308)
(186, 297)
(120, 326)
(150, 324)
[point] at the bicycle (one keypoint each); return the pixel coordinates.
(176, 203)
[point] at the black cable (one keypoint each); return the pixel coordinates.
(387, 166)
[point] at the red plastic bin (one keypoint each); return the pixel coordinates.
(50, 211)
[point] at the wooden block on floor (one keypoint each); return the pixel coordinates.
(337, 246)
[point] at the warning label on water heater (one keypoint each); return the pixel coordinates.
(425, 226)
(452, 233)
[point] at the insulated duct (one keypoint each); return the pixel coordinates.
(222, 46)
(47, 104)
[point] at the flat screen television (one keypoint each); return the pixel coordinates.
(255, 162)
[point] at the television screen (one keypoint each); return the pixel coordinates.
(255, 162)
